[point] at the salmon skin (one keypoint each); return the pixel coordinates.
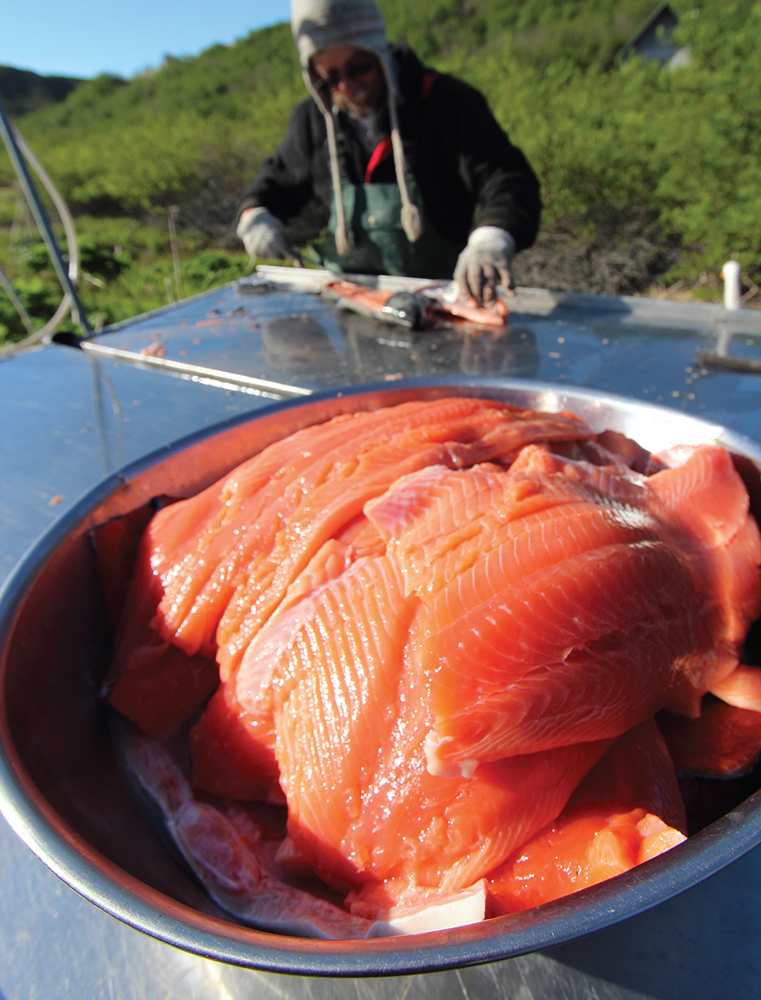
(414, 310)
(433, 624)
(227, 851)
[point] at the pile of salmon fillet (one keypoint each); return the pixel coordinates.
(438, 635)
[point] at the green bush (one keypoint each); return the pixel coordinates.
(127, 287)
(682, 145)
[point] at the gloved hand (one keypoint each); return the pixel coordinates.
(262, 235)
(485, 263)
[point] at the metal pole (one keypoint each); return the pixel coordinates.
(41, 219)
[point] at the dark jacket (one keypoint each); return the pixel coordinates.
(454, 148)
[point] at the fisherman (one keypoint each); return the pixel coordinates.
(400, 155)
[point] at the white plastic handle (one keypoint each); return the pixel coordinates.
(731, 275)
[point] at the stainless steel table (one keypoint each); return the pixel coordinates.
(68, 417)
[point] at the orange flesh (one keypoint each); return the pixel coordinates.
(741, 688)
(625, 811)
(581, 848)
(350, 725)
(723, 741)
(428, 629)
(585, 610)
(373, 299)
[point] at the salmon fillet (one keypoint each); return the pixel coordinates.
(351, 719)
(586, 609)
(214, 568)
(626, 810)
(429, 623)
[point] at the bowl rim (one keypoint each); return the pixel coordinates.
(99, 880)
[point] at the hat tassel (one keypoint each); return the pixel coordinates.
(412, 221)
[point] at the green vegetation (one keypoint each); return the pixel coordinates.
(23, 91)
(127, 269)
(184, 133)
(656, 173)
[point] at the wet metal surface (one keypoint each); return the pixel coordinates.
(68, 420)
(65, 422)
(642, 348)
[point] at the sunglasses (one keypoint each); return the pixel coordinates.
(353, 72)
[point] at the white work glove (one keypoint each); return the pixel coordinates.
(485, 263)
(262, 235)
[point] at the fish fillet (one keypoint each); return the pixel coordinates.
(433, 626)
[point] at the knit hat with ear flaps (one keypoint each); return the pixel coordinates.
(319, 24)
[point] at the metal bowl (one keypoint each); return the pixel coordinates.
(59, 783)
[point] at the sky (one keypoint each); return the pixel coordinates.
(85, 37)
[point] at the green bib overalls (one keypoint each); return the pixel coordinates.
(379, 244)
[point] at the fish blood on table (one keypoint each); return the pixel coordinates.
(438, 634)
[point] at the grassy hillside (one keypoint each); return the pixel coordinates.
(649, 176)
(197, 127)
(23, 91)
